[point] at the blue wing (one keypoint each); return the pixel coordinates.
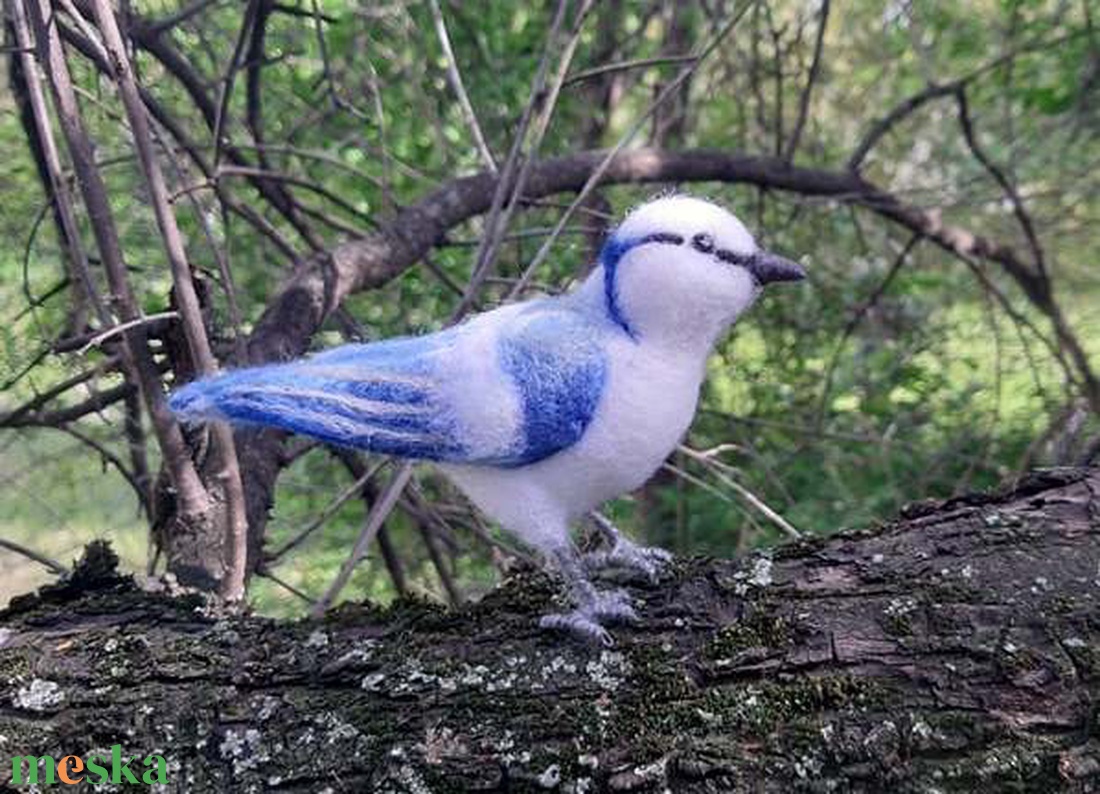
(380, 397)
(559, 370)
(436, 397)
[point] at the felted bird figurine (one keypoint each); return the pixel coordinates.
(539, 411)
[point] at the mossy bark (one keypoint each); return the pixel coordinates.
(956, 649)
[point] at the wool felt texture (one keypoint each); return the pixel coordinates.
(539, 411)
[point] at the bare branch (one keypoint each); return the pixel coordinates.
(24, 417)
(815, 68)
(624, 66)
(510, 185)
(454, 76)
(229, 474)
(79, 273)
(909, 105)
(136, 350)
(131, 478)
(331, 509)
(853, 322)
(379, 512)
(597, 174)
(721, 473)
(160, 26)
(999, 176)
(396, 569)
(102, 336)
(31, 554)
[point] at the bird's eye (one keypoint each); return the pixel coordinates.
(703, 242)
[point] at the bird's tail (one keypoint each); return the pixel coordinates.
(376, 410)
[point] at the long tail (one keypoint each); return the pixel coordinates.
(376, 410)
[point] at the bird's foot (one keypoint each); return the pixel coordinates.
(613, 606)
(579, 624)
(646, 561)
(610, 606)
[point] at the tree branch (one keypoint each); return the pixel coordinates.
(229, 474)
(136, 353)
(953, 649)
(815, 68)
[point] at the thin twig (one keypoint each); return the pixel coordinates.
(935, 90)
(998, 175)
(396, 569)
(226, 83)
(454, 76)
(116, 462)
(623, 66)
(508, 185)
(31, 554)
(114, 330)
(160, 26)
(60, 194)
(328, 512)
(815, 68)
(855, 320)
(269, 574)
(754, 500)
(377, 516)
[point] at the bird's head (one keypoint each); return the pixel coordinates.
(683, 269)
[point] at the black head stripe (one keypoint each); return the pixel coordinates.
(663, 237)
(703, 243)
(734, 258)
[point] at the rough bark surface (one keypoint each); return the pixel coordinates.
(956, 649)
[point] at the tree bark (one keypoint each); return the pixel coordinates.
(955, 649)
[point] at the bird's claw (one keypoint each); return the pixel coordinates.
(624, 555)
(611, 606)
(614, 606)
(578, 623)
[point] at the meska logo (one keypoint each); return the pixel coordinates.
(71, 769)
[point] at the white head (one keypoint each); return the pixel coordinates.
(681, 270)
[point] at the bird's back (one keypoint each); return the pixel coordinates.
(507, 388)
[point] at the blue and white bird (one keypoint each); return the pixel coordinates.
(538, 411)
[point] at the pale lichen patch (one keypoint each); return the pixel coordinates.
(242, 748)
(39, 695)
(550, 777)
(609, 670)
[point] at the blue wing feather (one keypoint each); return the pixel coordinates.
(559, 370)
(379, 397)
(390, 397)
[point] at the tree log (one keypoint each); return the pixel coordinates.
(955, 649)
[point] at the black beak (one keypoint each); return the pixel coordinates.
(767, 267)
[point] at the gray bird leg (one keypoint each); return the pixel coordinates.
(624, 554)
(593, 607)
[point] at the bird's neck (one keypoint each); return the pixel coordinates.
(652, 319)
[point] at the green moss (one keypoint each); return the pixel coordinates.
(659, 673)
(896, 625)
(760, 628)
(761, 708)
(1086, 658)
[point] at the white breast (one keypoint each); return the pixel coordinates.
(646, 407)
